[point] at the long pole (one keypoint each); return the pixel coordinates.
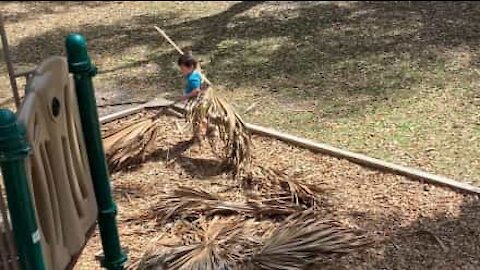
(83, 70)
(14, 149)
(11, 71)
(176, 48)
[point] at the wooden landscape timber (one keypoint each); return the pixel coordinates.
(319, 147)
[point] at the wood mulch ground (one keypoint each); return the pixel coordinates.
(414, 225)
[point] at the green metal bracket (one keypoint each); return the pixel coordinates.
(13, 151)
(80, 65)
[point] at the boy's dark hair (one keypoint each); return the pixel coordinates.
(187, 60)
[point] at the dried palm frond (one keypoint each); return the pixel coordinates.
(131, 144)
(231, 128)
(219, 248)
(301, 193)
(192, 203)
(151, 258)
(256, 231)
(280, 183)
(302, 240)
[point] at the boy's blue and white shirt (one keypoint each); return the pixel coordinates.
(194, 81)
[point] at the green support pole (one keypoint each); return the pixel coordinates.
(83, 70)
(13, 151)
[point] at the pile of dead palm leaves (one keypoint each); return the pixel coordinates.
(275, 226)
(131, 143)
(234, 137)
(193, 203)
(302, 239)
(134, 140)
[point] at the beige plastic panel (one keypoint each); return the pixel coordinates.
(58, 166)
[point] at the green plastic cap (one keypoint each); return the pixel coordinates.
(13, 143)
(77, 54)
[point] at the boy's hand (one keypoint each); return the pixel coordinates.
(181, 99)
(194, 93)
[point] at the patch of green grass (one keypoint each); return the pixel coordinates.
(391, 80)
(476, 129)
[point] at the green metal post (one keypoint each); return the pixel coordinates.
(13, 151)
(83, 70)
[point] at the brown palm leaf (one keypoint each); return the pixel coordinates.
(194, 202)
(279, 183)
(219, 247)
(236, 139)
(303, 239)
(131, 144)
(301, 193)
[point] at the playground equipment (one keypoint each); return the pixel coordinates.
(54, 169)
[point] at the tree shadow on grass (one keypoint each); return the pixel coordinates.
(111, 39)
(32, 9)
(346, 57)
(115, 40)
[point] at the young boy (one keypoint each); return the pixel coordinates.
(188, 67)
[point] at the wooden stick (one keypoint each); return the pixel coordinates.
(178, 49)
(251, 107)
(8, 61)
(169, 39)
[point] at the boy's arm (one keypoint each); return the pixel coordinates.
(191, 94)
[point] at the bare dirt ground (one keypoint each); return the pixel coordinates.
(414, 225)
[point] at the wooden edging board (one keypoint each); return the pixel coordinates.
(325, 149)
(121, 114)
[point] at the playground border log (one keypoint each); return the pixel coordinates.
(121, 114)
(363, 159)
(357, 158)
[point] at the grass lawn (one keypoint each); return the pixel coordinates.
(398, 80)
